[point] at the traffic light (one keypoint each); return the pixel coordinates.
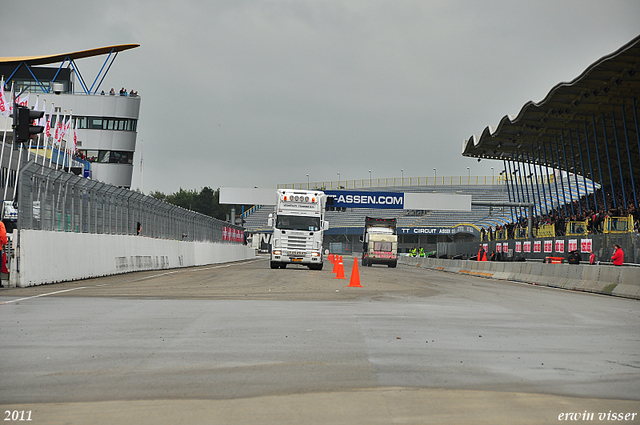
(24, 127)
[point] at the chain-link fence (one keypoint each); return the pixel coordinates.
(54, 200)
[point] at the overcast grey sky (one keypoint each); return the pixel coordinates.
(255, 93)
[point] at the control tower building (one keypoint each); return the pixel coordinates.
(106, 122)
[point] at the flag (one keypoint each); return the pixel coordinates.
(65, 127)
(75, 138)
(56, 134)
(4, 107)
(24, 100)
(47, 127)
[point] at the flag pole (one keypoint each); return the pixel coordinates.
(6, 124)
(6, 185)
(141, 170)
(67, 141)
(44, 134)
(15, 183)
(53, 107)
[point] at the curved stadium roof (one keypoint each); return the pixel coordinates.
(576, 115)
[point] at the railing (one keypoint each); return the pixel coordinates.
(418, 181)
(546, 231)
(53, 200)
(618, 224)
(576, 228)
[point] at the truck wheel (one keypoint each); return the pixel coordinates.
(393, 265)
(315, 266)
(283, 265)
(364, 262)
(275, 265)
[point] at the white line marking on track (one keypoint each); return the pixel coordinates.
(135, 280)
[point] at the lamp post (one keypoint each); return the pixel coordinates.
(369, 178)
(492, 176)
(402, 177)
(338, 180)
(434, 176)
(307, 181)
(468, 176)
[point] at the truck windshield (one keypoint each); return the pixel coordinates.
(295, 222)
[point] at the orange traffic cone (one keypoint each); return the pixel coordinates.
(355, 275)
(340, 272)
(335, 264)
(330, 258)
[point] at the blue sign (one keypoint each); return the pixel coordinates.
(461, 228)
(365, 199)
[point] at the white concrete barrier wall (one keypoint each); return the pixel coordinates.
(610, 280)
(49, 257)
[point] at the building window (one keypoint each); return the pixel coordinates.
(104, 123)
(108, 157)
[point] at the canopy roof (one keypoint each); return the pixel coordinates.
(599, 106)
(49, 59)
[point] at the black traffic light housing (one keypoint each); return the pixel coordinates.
(23, 125)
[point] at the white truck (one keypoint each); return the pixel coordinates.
(298, 225)
(379, 242)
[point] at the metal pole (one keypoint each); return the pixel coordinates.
(584, 175)
(586, 143)
(595, 136)
(506, 181)
(564, 196)
(626, 138)
(575, 172)
(606, 146)
(566, 167)
(635, 119)
(535, 172)
(615, 138)
(546, 167)
(533, 192)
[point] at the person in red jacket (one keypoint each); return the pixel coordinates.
(482, 254)
(618, 255)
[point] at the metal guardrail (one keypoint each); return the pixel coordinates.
(54, 200)
(431, 181)
(397, 182)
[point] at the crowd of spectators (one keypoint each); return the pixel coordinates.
(123, 92)
(583, 210)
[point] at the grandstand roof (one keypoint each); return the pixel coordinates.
(576, 115)
(49, 59)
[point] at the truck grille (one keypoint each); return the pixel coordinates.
(296, 243)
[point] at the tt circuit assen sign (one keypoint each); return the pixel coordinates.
(461, 228)
(382, 200)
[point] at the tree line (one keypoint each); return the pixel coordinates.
(206, 202)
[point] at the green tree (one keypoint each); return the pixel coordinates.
(206, 202)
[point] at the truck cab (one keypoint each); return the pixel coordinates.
(379, 242)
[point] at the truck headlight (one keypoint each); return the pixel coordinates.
(315, 254)
(276, 252)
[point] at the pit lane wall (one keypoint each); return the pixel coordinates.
(622, 281)
(50, 257)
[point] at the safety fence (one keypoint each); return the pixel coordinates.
(54, 200)
(572, 228)
(397, 181)
(538, 248)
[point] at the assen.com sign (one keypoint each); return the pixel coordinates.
(382, 200)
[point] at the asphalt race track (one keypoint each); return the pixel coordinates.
(241, 343)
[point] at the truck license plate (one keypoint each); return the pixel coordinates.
(296, 259)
